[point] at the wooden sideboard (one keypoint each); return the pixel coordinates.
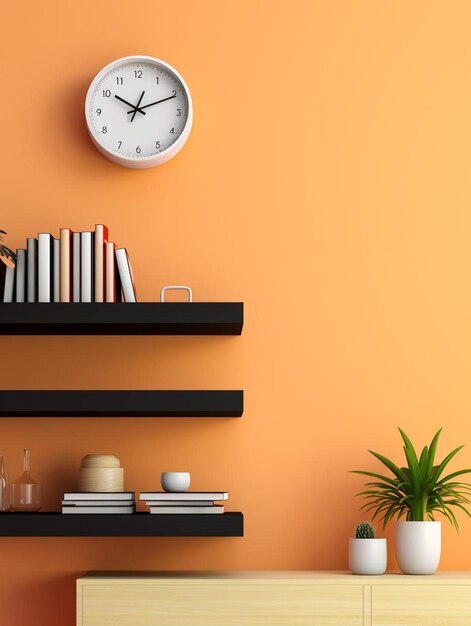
(288, 598)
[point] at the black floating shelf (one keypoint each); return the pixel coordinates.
(140, 318)
(135, 525)
(29, 403)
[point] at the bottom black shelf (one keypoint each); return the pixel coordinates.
(135, 525)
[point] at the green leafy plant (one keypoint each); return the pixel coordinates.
(364, 530)
(6, 255)
(418, 490)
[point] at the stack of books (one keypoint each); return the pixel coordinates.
(189, 502)
(121, 502)
(75, 267)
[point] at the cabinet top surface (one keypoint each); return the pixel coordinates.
(273, 577)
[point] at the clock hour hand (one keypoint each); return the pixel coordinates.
(136, 108)
(131, 105)
(152, 104)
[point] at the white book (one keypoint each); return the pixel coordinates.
(32, 269)
(99, 495)
(101, 502)
(101, 239)
(56, 271)
(76, 267)
(187, 510)
(180, 503)
(186, 495)
(98, 509)
(45, 267)
(9, 291)
(125, 275)
(86, 270)
(20, 276)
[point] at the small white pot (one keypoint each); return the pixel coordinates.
(368, 557)
(418, 546)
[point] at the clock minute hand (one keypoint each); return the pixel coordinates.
(131, 105)
(152, 104)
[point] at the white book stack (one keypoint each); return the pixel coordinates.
(122, 502)
(187, 502)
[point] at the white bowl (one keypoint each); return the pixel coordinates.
(175, 482)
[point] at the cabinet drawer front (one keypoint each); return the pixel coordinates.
(221, 605)
(422, 605)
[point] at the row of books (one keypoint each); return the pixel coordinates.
(76, 267)
(161, 503)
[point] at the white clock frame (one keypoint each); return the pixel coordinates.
(152, 160)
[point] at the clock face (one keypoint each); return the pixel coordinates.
(139, 111)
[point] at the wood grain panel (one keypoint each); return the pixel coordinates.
(234, 604)
(421, 605)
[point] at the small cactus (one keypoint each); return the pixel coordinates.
(365, 530)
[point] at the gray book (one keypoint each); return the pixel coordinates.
(86, 270)
(80, 510)
(20, 277)
(9, 291)
(76, 267)
(32, 269)
(45, 267)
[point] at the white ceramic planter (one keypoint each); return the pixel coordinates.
(367, 557)
(418, 546)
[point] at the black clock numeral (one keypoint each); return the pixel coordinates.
(172, 132)
(119, 80)
(104, 130)
(137, 73)
(106, 93)
(138, 150)
(157, 79)
(120, 143)
(157, 144)
(179, 112)
(98, 111)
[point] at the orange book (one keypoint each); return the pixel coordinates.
(111, 274)
(65, 265)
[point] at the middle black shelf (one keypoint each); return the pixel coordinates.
(122, 403)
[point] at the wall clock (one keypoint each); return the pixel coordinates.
(138, 111)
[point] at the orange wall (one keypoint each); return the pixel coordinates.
(326, 184)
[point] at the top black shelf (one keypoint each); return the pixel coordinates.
(140, 318)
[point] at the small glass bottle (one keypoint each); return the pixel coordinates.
(25, 491)
(4, 486)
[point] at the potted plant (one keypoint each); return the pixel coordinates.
(367, 555)
(417, 492)
(6, 255)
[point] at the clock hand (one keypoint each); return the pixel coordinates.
(131, 105)
(136, 108)
(152, 104)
